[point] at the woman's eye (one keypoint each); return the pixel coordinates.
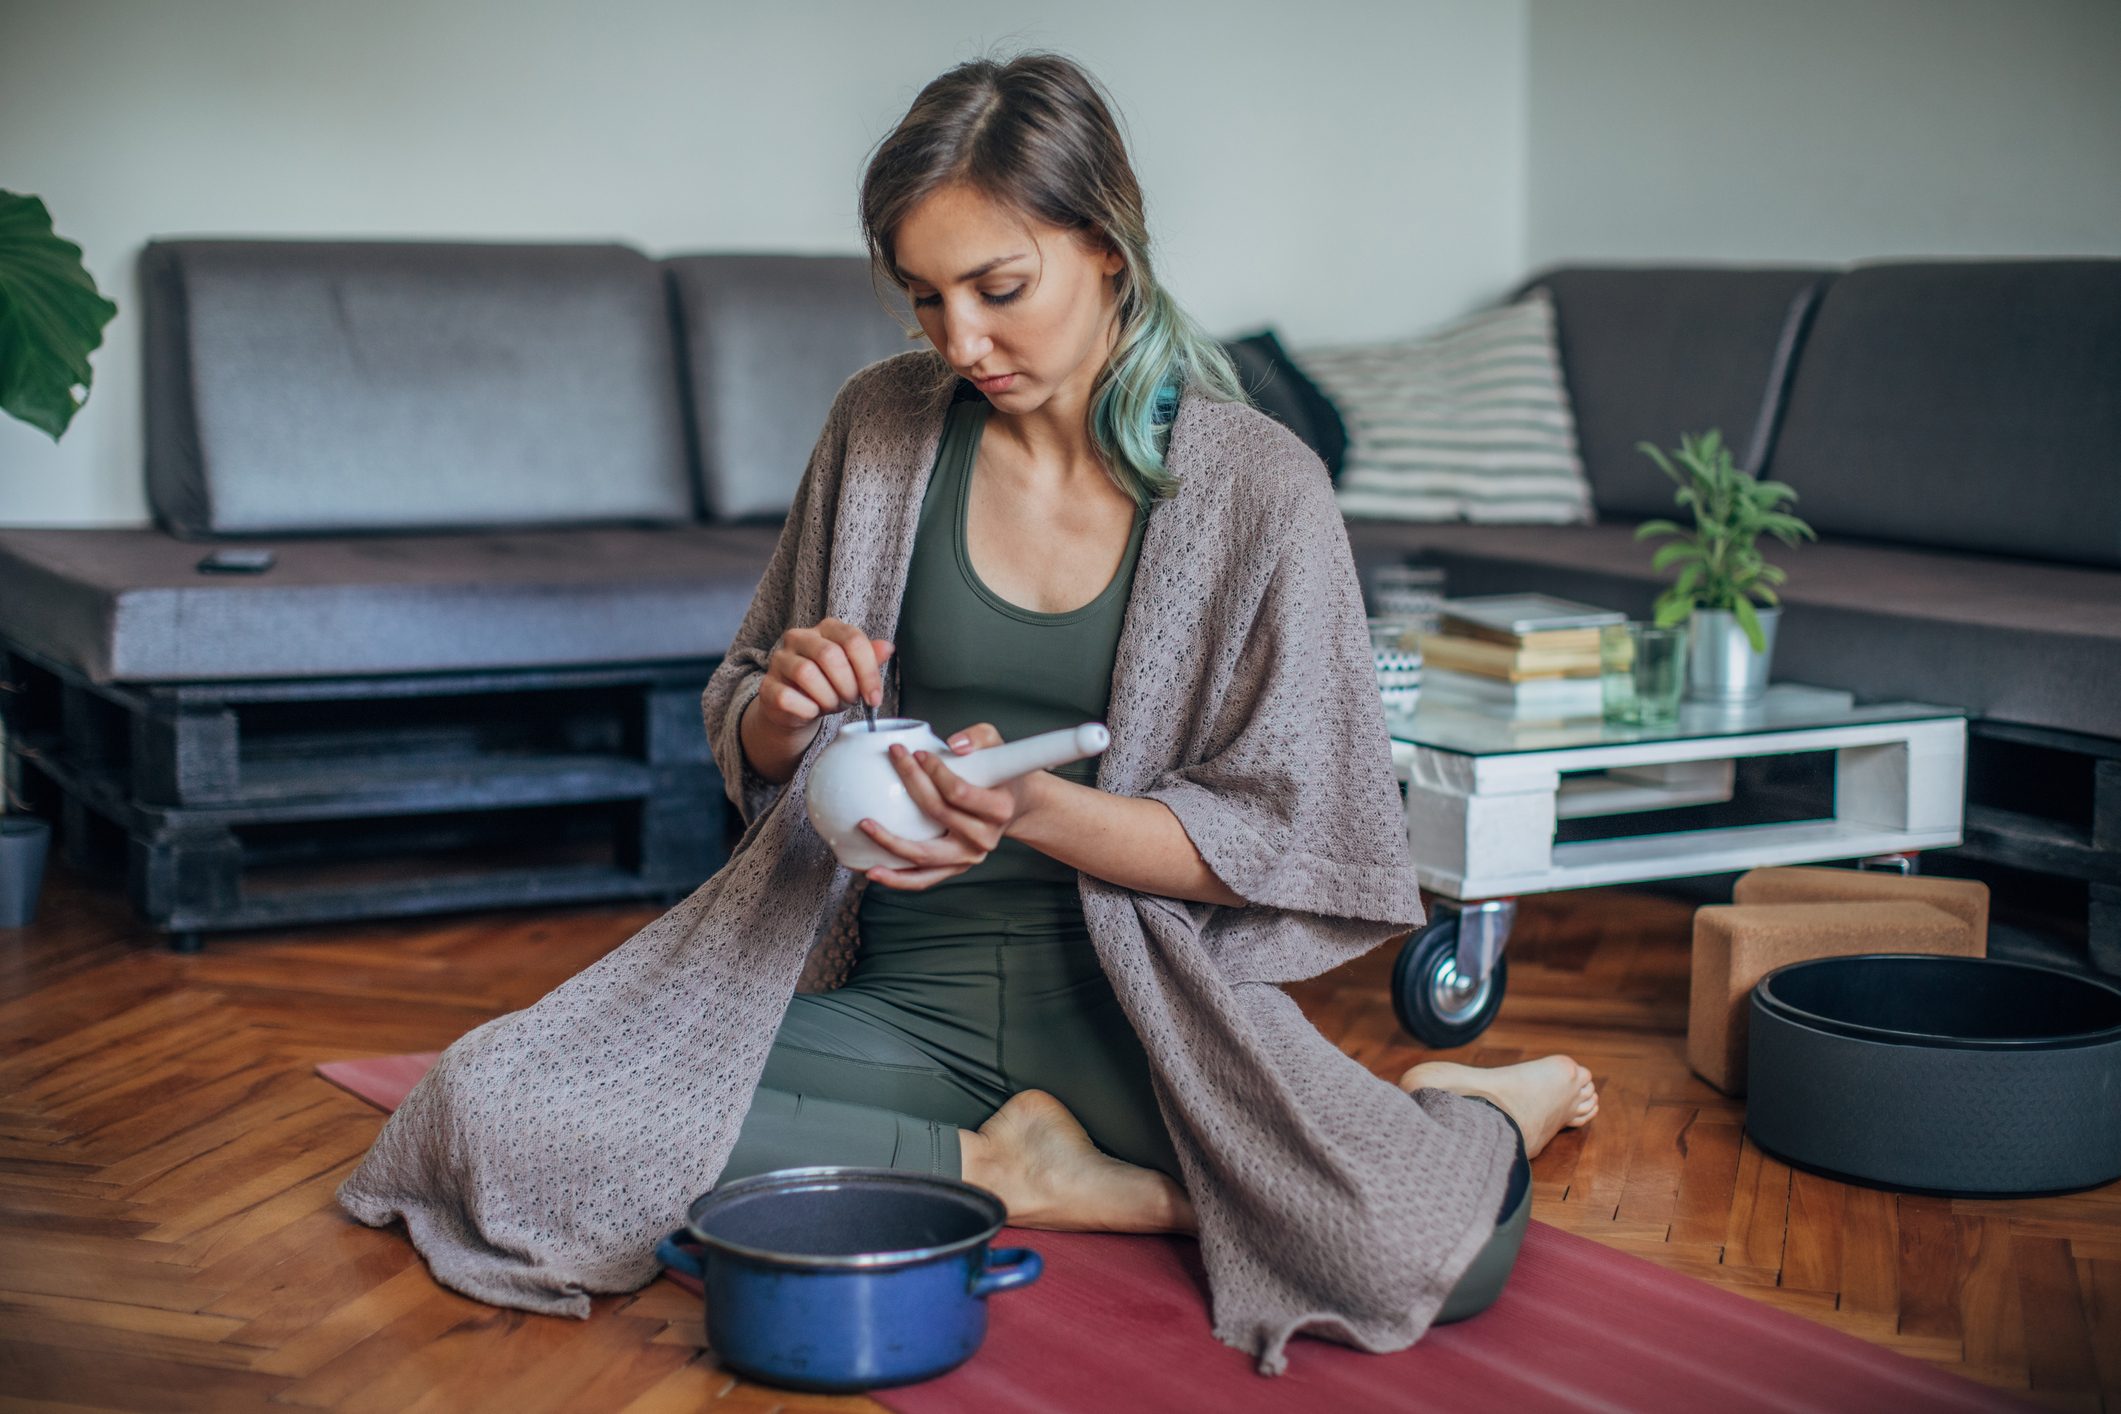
(926, 300)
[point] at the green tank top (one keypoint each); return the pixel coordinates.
(967, 655)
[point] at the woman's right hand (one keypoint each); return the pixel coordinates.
(812, 671)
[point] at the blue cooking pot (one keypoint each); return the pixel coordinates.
(844, 1279)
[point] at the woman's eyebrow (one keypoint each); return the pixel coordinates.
(973, 274)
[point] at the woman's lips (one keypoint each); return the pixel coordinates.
(998, 384)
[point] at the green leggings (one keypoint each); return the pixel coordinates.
(948, 1012)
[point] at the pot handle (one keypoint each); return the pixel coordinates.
(1007, 1267)
(680, 1259)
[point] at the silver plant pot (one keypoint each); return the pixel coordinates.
(1721, 663)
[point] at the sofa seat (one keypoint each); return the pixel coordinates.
(2008, 639)
(129, 605)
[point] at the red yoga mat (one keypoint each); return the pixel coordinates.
(1120, 1323)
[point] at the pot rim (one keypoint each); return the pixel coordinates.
(826, 1175)
(1767, 1000)
(23, 825)
(884, 725)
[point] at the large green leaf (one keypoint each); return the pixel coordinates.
(51, 318)
(1749, 620)
(1677, 550)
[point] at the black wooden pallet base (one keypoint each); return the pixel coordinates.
(266, 804)
(2049, 803)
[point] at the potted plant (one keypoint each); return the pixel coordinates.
(1723, 586)
(51, 318)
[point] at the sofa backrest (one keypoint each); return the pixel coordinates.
(1972, 405)
(313, 386)
(1651, 352)
(768, 340)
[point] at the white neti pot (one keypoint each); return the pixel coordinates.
(1721, 663)
(853, 780)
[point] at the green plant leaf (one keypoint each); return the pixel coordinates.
(1673, 611)
(1742, 610)
(1732, 509)
(1650, 450)
(1674, 553)
(51, 318)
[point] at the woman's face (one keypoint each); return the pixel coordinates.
(998, 293)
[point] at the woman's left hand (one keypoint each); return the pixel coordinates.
(974, 818)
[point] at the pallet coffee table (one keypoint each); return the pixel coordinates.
(1485, 793)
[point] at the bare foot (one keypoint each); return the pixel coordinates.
(1039, 1160)
(1544, 1096)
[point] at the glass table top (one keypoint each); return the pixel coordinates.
(1473, 731)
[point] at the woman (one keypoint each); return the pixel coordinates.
(977, 208)
(1074, 996)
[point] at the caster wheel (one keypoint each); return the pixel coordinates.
(1435, 1004)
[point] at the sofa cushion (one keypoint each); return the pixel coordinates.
(768, 341)
(130, 606)
(326, 386)
(2016, 641)
(1651, 353)
(1467, 422)
(1969, 406)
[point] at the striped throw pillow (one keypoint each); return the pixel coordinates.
(1470, 422)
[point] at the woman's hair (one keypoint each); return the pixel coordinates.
(1036, 136)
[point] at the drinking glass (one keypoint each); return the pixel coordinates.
(1410, 592)
(1642, 672)
(1395, 653)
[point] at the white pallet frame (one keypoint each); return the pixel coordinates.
(1482, 827)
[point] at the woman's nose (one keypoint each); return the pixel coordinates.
(965, 341)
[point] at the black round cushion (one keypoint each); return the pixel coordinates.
(1950, 1075)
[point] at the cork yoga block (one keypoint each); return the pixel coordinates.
(1964, 898)
(1737, 945)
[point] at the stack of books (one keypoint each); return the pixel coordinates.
(1517, 655)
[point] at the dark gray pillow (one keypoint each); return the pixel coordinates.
(1286, 393)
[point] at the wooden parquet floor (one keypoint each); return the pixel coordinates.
(168, 1239)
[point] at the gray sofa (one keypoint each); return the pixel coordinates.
(1953, 431)
(520, 495)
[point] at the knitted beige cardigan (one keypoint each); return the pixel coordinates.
(544, 1155)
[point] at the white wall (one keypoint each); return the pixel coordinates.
(1343, 170)
(1823, 130)
(1346, 169)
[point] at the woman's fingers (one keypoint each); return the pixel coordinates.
(791, 702)
(970, 812)
(976, 736)
(881, 649)
(810, 675)
(913, 878)
(831, 657)
(859, 654)
(921, 853)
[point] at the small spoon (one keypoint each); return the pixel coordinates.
(869, 712)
